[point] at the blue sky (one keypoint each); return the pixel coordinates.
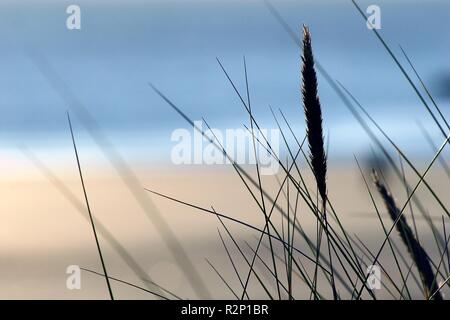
(173, 44)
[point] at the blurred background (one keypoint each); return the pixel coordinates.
(106, 67)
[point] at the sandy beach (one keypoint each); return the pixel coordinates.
(43, 231)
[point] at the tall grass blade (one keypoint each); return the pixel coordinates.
(89, 210)
(101, 229)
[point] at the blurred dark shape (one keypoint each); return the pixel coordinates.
(375, 160)
(441, 85)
